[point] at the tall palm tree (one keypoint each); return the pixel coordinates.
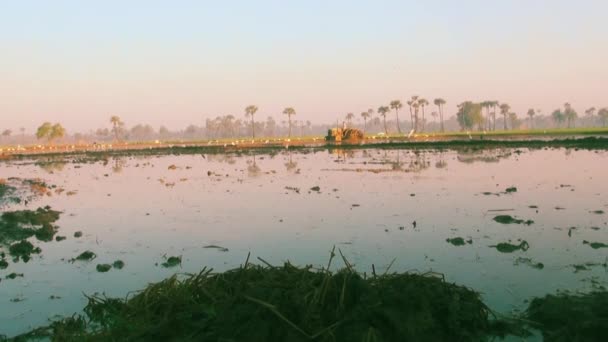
(570, 114)
(487, 105)
(349, 118)
(396, 105)
(250, 111)
(531, 114)
(494, 104)
(589, 113)
(423, 103)
(289, 111)
(439, 102)
(365, 116)
(603, 114)
(411, 103)
(504, 110)
(116, 125)
(382, 110)
(558, 117)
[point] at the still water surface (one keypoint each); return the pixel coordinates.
(139, 209)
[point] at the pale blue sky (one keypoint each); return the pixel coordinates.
(177, 62)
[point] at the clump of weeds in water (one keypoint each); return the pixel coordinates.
(23, 250)
(508, 219)
(570, 317)
(118, 264)
(458, 241)
(22, 224)
(102, 268)
(529, 262)
(595, 245)
(85, 256)
(286, 303)
(505, 247)
(172, 261)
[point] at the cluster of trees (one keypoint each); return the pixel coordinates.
(50, 131)
(416, 106)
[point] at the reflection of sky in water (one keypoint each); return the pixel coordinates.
(136, 209)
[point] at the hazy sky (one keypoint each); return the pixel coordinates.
(179, 62)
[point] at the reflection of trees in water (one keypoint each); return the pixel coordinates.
(290, 165)
(51, 166)
(441, 163)
(484, 156)
(253, 169)
(118, 164)
(419, 162)
(221, 158)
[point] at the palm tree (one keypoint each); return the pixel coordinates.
(603, 114)
(250, 111)
(116, 125)
(570, 115)
(494, 104)
(411, 104)
(423, 103)
(558, 117)
(531, 114)
(504, 110)
(382, 110)
(349, 118)
(365, 116)
(589, 113)
(439, 102)
(513, 119)
(487, 105)
(396, 105)
(289, 111)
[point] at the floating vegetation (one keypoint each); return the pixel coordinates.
(511, 190)
(172, 261)
(78, 234)
(288, 303)
(529, 262)
(118, 264)
(59, 238)
(458, 241)
(85, 256)
(14, 275)
(23, 250)
(102, 268)
(508, 219)
(3, 264)
(597, 212)
(316, 188)
(22, 224)
(505, 247)
(595, 245)
(292, 188)
(219, 248)
(570, 317)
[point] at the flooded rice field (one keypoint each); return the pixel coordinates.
(511, 223)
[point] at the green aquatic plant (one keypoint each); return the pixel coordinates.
(172, 261)
(23, 250)
(529, 262)
(118, 264)
(458, 241)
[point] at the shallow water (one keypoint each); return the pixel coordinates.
(138, 210)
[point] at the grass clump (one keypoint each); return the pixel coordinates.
(287, 303)
(571, 317)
